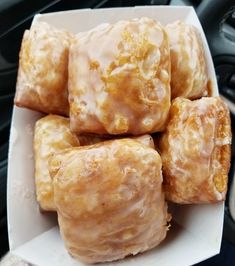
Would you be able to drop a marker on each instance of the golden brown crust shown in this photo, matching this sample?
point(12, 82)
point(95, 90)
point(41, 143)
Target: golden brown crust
point(195, 151)
point(222, 151)
point(188, 62)
point(54, 165)
point(121, 85)
point(93, 139)
point(146, 140)
point(109, 200)
point(52, 134)
point(43, 70)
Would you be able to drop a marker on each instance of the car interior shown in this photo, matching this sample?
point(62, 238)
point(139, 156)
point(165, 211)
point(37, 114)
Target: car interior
point(218, 21)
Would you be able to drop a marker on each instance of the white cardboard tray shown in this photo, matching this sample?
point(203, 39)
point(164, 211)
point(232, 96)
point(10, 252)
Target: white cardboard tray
point(34, 236)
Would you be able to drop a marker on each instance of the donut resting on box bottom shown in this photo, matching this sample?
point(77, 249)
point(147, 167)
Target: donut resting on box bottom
point(109, 200)
point(195, 151)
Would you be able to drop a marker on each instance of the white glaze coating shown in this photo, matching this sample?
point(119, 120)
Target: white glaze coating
point(195, 150)
point(109, 200)
point(188, 62)
point(119, 79)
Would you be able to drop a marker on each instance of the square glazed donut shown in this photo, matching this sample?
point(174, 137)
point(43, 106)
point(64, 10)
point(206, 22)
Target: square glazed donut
point(188, 62)
point(52, 134)
point(119, 79)
point(195, 151)
point(109, 199)
point(42, 82)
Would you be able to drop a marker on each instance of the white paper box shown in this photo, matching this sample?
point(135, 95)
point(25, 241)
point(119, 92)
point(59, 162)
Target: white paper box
point(196, 231)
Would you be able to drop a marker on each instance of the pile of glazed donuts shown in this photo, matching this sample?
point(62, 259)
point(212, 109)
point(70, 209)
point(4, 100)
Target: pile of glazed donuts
point(103, 92)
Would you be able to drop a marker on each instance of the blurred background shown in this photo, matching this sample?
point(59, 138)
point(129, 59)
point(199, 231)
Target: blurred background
point(218, 21)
